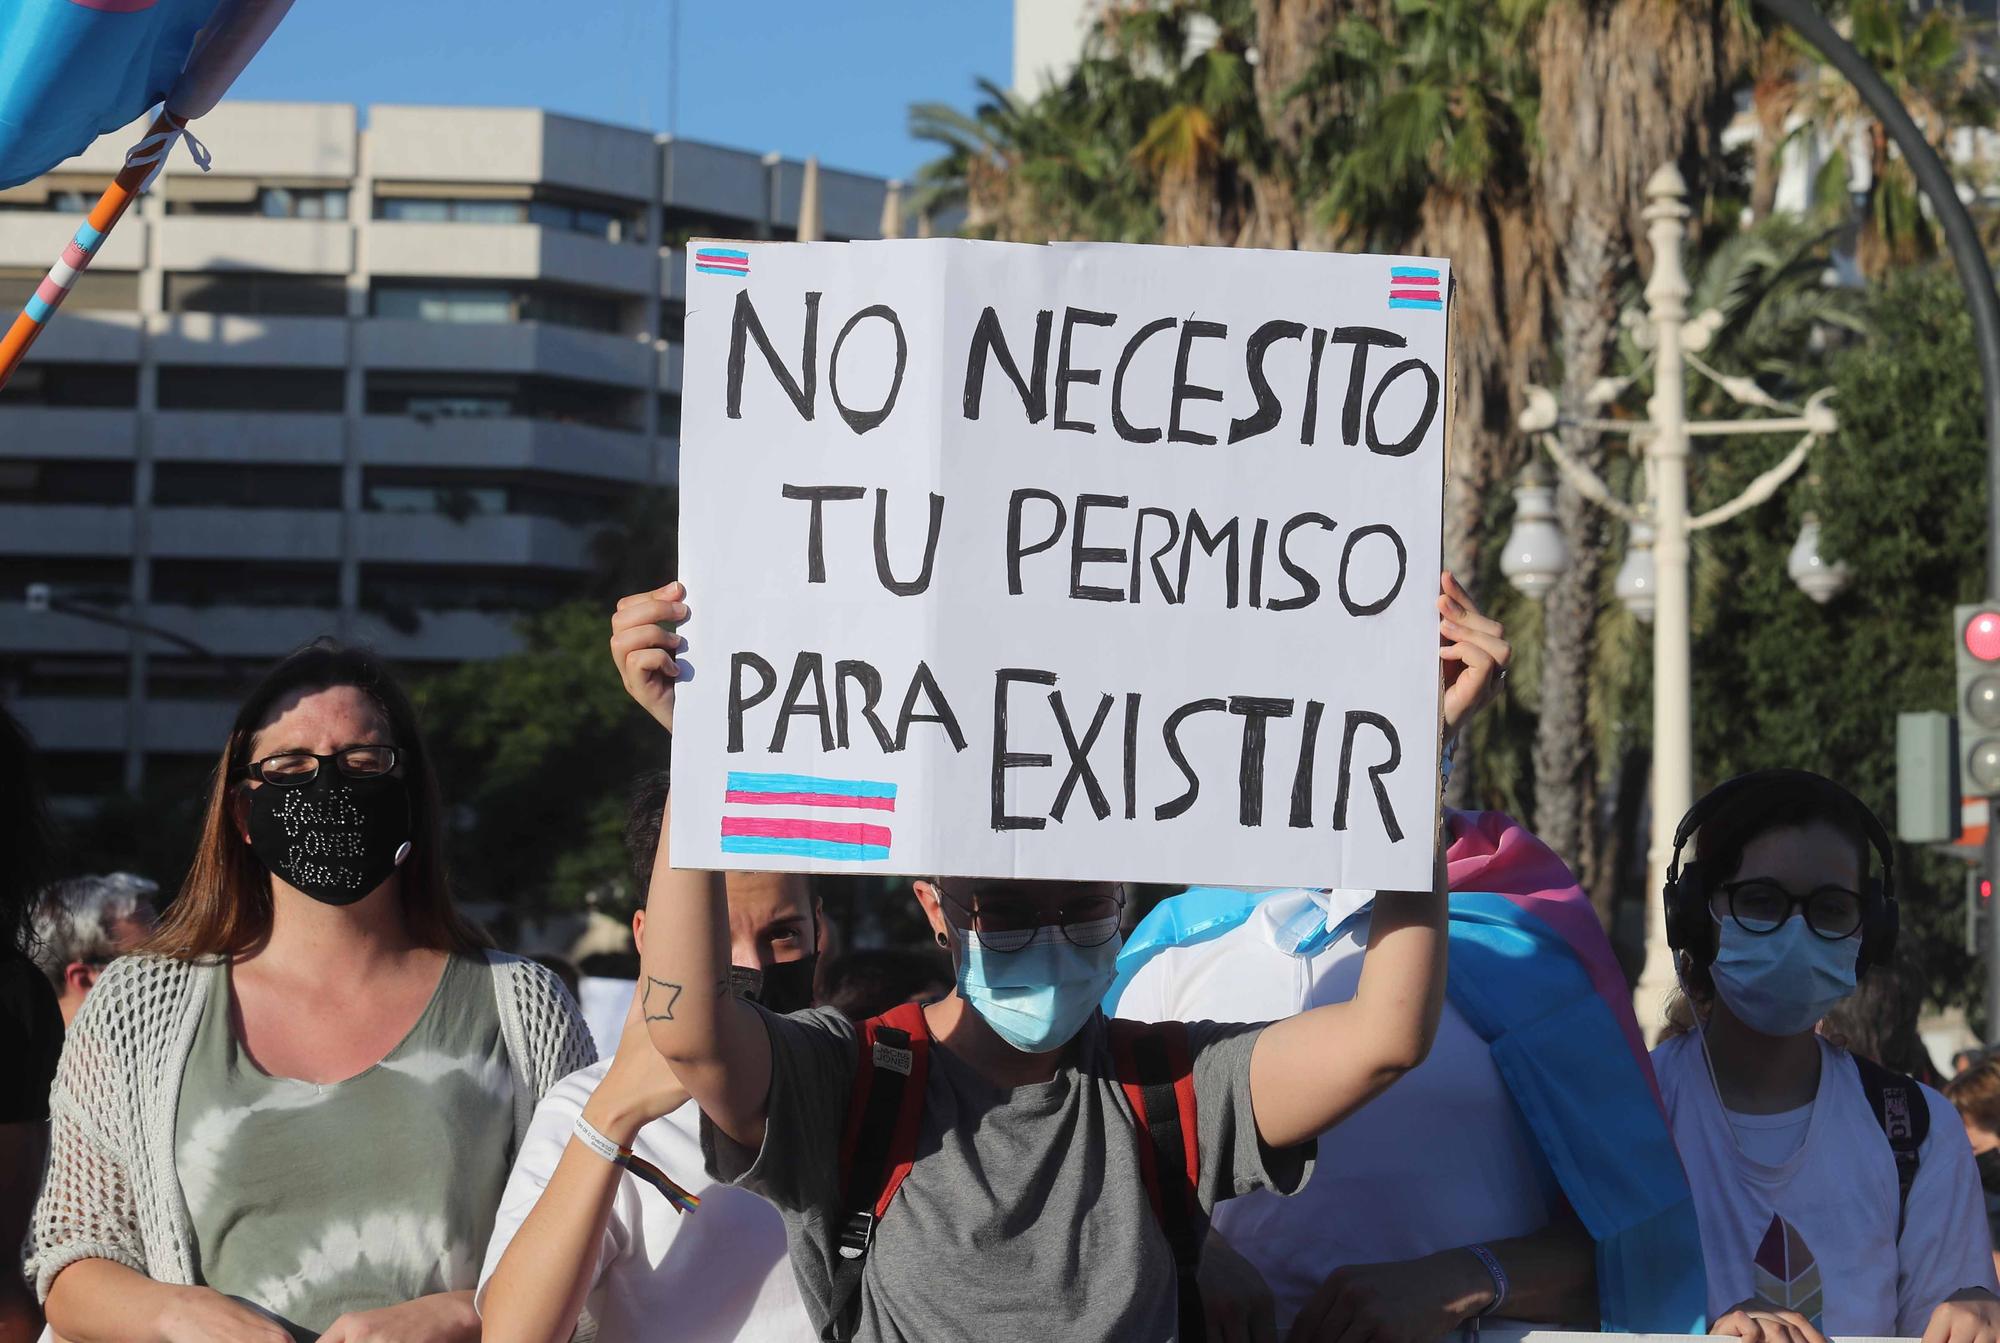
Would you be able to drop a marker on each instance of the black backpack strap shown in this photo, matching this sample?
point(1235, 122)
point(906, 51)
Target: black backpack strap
point(1905, 1117)
point(877, 1148)
point(1154, 1070)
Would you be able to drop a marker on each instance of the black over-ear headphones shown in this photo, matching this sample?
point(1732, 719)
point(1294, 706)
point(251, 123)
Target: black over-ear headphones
point(1690, 927)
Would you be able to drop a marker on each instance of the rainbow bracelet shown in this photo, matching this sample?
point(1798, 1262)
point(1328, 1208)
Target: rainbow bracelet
point(681, 1199)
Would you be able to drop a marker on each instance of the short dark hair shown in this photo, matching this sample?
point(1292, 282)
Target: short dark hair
point(864, 984)
point(642, 826)
point(1976, 1093)
point(1779, 804)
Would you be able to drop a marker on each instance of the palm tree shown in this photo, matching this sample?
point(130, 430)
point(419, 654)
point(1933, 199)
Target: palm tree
point(1626, 85)
point(1931, 65)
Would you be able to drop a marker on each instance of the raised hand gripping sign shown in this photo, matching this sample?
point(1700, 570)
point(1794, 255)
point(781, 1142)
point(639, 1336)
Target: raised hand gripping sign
point(1093, 562)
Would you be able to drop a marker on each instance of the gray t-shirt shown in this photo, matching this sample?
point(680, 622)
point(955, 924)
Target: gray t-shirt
point(1024, 1216)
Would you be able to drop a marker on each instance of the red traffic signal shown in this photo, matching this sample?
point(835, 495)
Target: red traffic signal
point(1985, 889)
point(1982, 636)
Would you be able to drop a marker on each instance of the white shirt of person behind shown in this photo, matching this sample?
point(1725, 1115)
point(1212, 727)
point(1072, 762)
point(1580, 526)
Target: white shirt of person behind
point(1441, 1159)
point(1800, 1210)
point(716, 1274)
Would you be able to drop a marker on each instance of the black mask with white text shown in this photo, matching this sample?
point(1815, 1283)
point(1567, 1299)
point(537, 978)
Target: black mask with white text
point(335, 838)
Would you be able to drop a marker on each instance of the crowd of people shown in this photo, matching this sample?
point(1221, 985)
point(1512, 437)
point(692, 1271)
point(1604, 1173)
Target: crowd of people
point(306, 1098)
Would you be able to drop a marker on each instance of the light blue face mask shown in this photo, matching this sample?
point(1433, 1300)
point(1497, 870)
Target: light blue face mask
point(1782, 983)
point(1039, 997)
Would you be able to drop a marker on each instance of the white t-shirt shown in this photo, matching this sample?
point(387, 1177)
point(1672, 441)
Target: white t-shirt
point(1442, 1159)
point(718, 1273)
point(1816, 1231)
point(604, 1003)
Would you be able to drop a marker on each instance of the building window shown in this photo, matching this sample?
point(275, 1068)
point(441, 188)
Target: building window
point(670, 415)
point(107, 386)
point(108, 484)
point(460, 495)
point(441, 303)
point(472, 395)
point(83, 774)
point(679, 226)
point(74, 677)
point(196, 387)
point(399, 592)
point(99, 582)
point(673, 321)
point(237, 583)
point(221, 196)
point(495, 303)
point(94, 290)
point(233, 485)
point(254, 293)
point(66, 202)
point(613, 223)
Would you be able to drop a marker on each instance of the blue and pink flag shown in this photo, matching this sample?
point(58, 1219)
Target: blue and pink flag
point(71, 70)
point(807, 816)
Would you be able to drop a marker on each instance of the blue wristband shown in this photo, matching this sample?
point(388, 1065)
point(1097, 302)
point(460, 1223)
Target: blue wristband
point(1499, 1275)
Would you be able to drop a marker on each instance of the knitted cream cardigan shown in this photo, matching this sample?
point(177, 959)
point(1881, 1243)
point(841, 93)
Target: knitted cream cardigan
point(112, 1191)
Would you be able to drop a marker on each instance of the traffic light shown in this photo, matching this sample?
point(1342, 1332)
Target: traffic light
point(1979, 700)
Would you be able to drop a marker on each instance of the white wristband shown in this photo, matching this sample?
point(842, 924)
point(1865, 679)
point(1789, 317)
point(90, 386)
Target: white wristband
point(598, 1143)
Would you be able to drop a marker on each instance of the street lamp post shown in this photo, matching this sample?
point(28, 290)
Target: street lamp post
point(1661, 523)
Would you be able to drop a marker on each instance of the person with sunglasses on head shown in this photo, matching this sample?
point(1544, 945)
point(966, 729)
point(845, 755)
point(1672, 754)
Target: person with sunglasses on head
point(291, 1113)
point(1834, 1197)
point(1036, 1187)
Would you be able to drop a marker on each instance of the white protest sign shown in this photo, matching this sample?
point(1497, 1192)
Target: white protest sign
point(1090, 562)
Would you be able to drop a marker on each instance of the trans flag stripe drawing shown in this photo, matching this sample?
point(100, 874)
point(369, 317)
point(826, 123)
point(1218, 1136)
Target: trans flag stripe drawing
point(763, 815)
point(722, 261)
point(1415, 287)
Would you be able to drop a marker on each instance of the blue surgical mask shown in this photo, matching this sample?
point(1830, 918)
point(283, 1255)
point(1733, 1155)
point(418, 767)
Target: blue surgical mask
point(1036, 998)
point(1782, 983)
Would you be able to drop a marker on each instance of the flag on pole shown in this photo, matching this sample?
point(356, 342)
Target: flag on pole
point(73, 69)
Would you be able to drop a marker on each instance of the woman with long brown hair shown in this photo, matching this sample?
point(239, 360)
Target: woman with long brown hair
point(293, 1112)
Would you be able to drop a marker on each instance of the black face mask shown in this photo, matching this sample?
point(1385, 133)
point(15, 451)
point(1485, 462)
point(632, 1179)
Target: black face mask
point(335, 838)
point(782, 988)
point(1989, 1170)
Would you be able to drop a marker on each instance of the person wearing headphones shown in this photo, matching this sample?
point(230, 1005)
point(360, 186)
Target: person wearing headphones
point(1834, 1197)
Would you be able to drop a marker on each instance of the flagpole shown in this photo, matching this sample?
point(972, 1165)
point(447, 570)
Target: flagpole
point(76, 257)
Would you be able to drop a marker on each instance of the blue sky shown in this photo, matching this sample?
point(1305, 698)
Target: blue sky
point(828, 77)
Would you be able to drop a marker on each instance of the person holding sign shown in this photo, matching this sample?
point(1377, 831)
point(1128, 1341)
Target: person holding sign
point(1004, 1163)
point(1452, 1198)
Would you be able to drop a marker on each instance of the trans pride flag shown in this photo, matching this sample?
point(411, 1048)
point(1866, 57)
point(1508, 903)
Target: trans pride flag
point(71, 70)
point(1532, 973)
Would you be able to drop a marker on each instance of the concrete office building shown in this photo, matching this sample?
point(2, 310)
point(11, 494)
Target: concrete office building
point(378, 382)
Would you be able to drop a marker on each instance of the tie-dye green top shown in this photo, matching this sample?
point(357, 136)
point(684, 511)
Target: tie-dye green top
point(309, 1201)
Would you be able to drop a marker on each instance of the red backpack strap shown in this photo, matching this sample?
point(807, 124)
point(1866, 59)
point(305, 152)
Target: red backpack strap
point(1155, 1069)
point(877, 1147)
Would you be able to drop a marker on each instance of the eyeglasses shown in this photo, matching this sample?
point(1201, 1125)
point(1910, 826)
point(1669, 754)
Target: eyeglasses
point(1761, 906)
point(1005, 922)
point(295, 769)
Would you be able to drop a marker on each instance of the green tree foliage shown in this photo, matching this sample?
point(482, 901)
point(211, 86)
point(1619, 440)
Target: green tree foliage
point(536, 753)
point(1779, 680)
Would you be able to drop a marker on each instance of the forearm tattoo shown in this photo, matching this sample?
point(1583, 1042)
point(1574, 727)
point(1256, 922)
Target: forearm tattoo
point(658, 998)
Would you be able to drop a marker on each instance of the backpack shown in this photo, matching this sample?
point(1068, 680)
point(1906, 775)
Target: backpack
point(1905, 1117)
point(1152, 1066)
